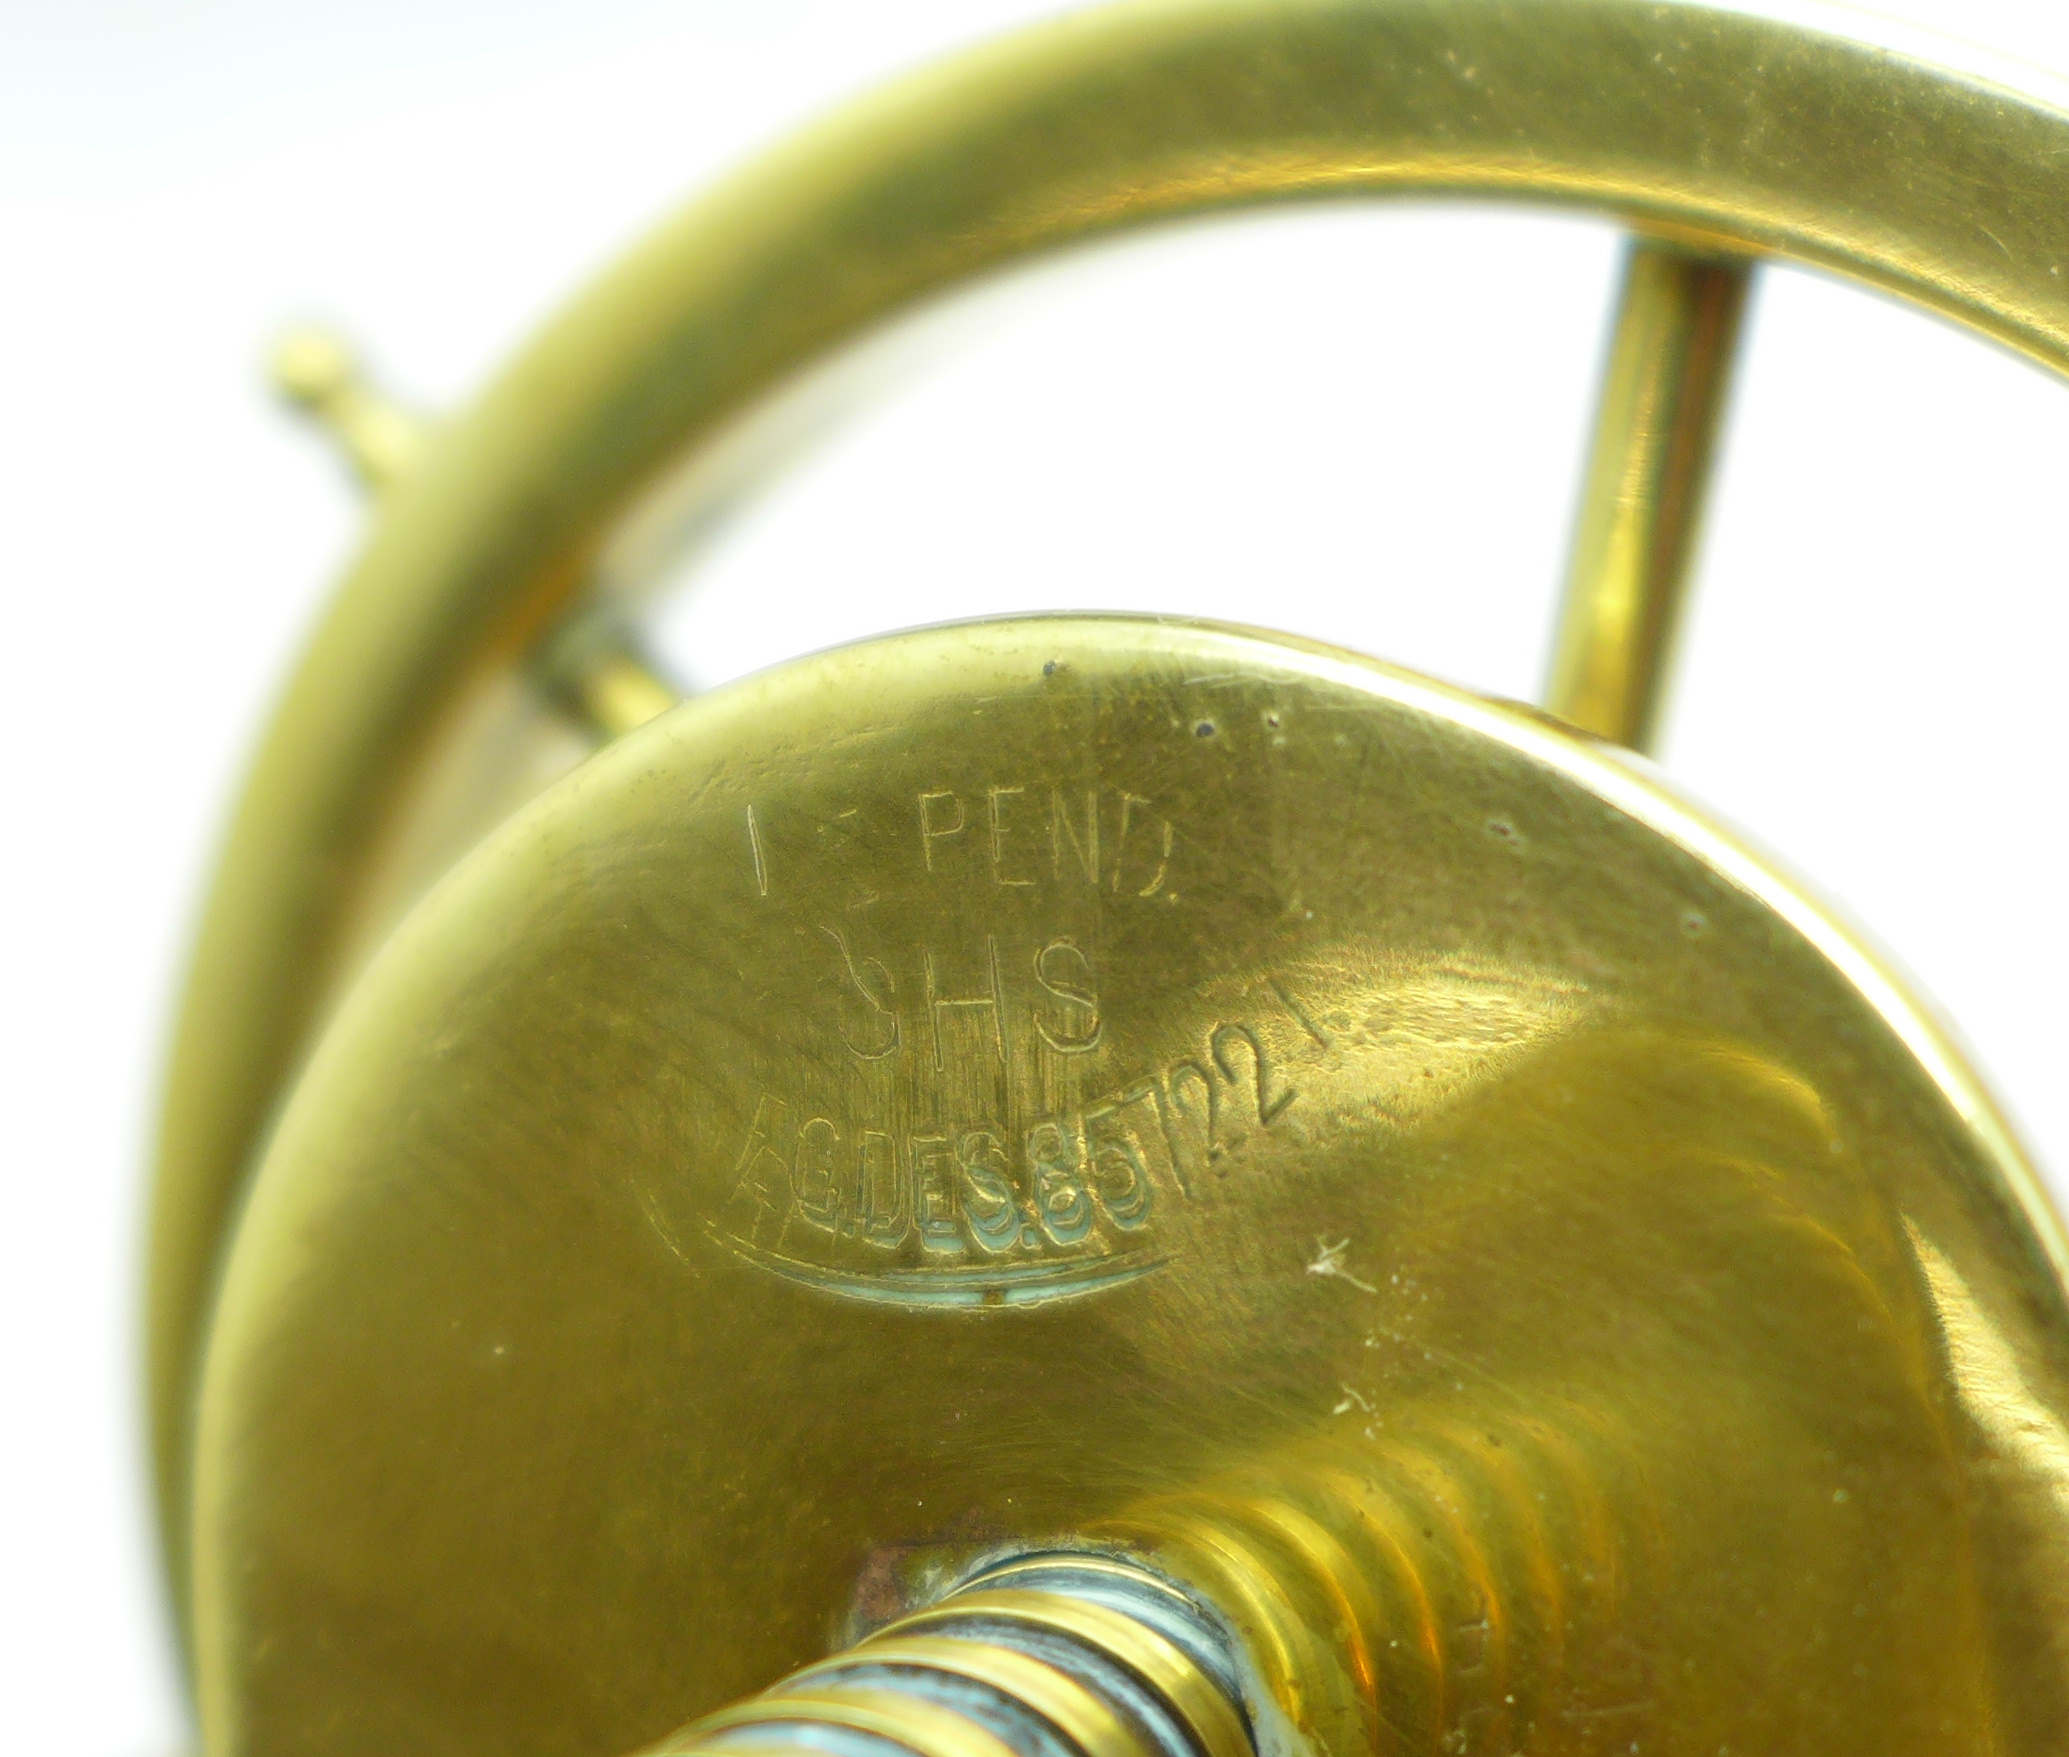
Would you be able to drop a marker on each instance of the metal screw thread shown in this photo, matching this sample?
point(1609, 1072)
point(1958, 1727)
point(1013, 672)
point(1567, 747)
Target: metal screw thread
point(1452, 1577)
point(1061, 1655)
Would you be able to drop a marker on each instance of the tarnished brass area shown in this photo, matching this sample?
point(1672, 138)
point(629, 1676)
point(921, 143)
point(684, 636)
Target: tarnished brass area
point(1370, 1155)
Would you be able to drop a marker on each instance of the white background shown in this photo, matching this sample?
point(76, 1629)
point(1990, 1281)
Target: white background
point(1358, 422)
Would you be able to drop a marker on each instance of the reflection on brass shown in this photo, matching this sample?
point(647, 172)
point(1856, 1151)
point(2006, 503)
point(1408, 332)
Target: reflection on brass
point(1103, 1187)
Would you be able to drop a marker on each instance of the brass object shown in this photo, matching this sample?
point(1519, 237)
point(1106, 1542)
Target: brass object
point(1102, 1187)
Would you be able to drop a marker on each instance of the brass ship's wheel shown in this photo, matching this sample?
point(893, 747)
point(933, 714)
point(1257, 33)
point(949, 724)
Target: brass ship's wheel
point(1194, 1193)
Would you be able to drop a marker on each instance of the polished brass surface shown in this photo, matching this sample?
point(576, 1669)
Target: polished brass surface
point(1372, 1153)
point(1663, 397)
point(1739, 131)
point(983, 1129)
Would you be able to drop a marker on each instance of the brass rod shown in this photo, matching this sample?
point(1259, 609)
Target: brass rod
point(596, 669)
point(618, 692)
point(599, 672)
point(317, 370)
point(1663, 394)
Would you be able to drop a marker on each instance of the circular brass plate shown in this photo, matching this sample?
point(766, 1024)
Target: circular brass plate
point(952, 1090)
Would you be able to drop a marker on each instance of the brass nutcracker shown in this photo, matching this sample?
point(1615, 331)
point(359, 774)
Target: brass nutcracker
point(1097, 1186)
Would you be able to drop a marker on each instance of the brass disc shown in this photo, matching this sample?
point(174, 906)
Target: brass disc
point(953, 1091)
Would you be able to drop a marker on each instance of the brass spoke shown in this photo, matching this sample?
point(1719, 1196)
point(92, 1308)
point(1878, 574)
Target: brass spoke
point(1663, 393)
point(317, 370)
point(601, 674)
point(595, 668)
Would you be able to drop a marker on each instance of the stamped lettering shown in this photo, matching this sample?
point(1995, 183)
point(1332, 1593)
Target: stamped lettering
point(972, 1210)
point(949, 1109)
point(881, 1034)
point(1010, 834)
point(967, 1213)
point(986, 999)
point(989, 1003)
point(1234, 1040)
point(1065, 975)
point(941, 816)
point(1079, 835)
point(995, 803)
point(1108, 839)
